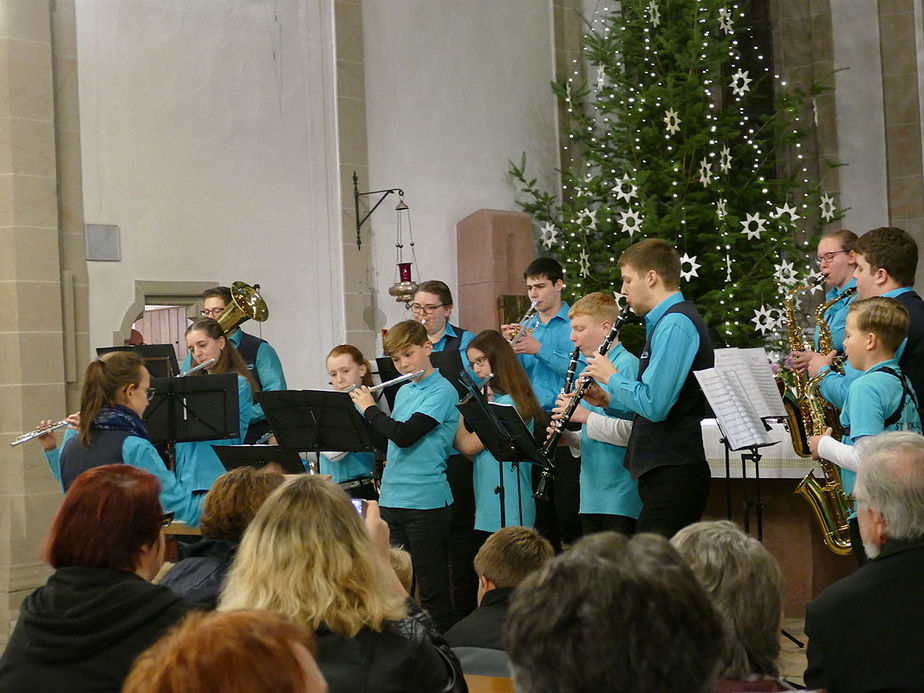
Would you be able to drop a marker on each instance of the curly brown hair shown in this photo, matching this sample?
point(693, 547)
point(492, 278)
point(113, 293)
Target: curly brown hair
point(233, 500)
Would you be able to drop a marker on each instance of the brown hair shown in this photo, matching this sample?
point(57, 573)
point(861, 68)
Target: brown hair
point(230, 359)
point(886, 318)
point(222, 292)
point(846, 239)
point(510, 554)
point(509, 376)
point(358, 358)
point(233, 500)
point(654, 254)
point(892, 249)
point(437, 288)
point(598, 305)
point(103, 379)
point(406, 333)
point(235, 652)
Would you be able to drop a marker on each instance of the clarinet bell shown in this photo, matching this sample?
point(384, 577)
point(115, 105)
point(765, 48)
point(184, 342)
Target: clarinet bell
point(542, 488)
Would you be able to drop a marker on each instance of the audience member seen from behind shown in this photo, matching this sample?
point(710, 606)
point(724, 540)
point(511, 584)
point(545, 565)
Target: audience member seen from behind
point(613, 614)
point(238, 652)
point(308, 556)
point(98, 610)
point(745, 584)
point(229, 507)
point(862, 630)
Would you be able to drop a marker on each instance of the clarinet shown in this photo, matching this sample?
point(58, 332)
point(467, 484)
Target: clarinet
point(559, 426)
point(572, 367)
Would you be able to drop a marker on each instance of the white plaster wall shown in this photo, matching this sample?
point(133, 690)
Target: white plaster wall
point(453, 90)
point(208, 135)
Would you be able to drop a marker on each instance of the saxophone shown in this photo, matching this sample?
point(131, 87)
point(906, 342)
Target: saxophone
point(825, 340)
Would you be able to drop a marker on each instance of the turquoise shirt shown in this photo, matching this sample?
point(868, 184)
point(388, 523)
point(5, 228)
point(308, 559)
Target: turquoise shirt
point(673, 348)
point(606, 486)
point(197, 464)
point(486, 477)
point(546, 370)
point(353, 465)
point(836, 315)
point(415, 476)
point(464, 340)
point(140, 453)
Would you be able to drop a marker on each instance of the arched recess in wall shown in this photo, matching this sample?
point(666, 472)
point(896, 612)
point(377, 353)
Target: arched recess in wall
point(186, 294)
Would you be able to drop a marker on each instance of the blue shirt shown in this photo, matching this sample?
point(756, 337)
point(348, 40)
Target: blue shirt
point(836, 315)
point(464, 340)
point(140, 453)
point(353, 465)
point(546, 370)
point(197, 464)
point(606, 486)
point(518, 488)
point(415, 476)
point(673, 348)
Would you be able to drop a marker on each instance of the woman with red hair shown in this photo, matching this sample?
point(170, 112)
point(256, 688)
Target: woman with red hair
point(98, 611)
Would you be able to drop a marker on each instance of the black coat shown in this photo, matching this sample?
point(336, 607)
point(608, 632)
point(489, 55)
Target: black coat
point(82, 630)
point(199, 576)
point(866, 632)
point(484, 627)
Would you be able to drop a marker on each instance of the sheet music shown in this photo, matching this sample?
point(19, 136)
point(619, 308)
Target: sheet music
point(737, 418)
point(752, 369)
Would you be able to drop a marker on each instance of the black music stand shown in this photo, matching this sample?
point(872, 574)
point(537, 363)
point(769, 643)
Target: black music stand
point(191, 409)
point(258, 456)
point(315, 421)
point(449, 364)
point(159, 359)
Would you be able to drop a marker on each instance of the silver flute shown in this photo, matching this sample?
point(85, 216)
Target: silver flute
point(394, 381)
point(196, 369)
point(31, 435)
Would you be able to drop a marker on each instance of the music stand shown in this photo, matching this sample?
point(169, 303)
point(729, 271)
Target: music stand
point(315, 420)
point(185, 410)
point(449, 364)
point(258, 456)
point(387, 371)
point(159, 359)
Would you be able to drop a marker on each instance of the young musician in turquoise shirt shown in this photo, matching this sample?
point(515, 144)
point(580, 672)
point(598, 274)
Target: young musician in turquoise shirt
point(197, 464)
point(415, 498)
point(495, 363)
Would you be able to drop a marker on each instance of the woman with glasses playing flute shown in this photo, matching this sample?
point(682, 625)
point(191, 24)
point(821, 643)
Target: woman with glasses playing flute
point(116, 391)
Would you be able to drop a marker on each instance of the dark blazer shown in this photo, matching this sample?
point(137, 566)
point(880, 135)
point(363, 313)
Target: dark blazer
point(484, 627)
point(866, 631)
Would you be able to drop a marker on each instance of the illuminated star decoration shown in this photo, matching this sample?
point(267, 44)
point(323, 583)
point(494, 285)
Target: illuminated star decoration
point(686, 275)
point(828, 210)
point(548, 234)
point(630, 221)
point(786, 209)
point(725, 21)
point(739, 83)
point(720, 207)
point(590, 215)
point(601, 77)
point(585, 263)
point(725, 159)
point(672, 121)
point(625, 189)
point(705, 172)
point(654, 14)
point(756, 219)
point(764, 319)
point(786, 273)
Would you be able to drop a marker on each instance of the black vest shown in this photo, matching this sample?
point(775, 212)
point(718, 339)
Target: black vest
point(912, 362)
point(679, 438)
point(105, 448)
point(454, 343)
point(248, 350)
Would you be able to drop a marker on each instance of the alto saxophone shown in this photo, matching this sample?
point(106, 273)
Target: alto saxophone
point(825, 340)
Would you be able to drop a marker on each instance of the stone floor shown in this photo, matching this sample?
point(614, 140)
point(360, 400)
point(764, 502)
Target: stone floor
point(792, 657)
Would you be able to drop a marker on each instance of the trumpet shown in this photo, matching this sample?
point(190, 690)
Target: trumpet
point(523, 322)
point(388, 383)
point(39, 432)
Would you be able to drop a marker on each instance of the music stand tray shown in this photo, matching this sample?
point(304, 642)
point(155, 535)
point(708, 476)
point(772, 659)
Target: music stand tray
point(258, 456)
point(503, 432)
point(159, 359)
point(315, 421)
point(449, 364)
point(191, 409)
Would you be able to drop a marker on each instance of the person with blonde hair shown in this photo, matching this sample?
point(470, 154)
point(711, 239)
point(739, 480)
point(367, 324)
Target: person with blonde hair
point(308, 556)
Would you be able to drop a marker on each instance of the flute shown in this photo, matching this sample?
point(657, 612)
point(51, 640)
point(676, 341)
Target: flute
point(394, 381)
point(196, 369)
point(38, 432)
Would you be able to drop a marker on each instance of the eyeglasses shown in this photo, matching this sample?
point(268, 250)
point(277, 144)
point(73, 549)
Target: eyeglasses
point(828, 258)
point(426, 310)
point(211, 313)
point(480, 361)
point(149, 393)
point(167, 518)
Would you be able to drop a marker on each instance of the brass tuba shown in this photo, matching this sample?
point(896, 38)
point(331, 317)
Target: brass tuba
point(246, 304)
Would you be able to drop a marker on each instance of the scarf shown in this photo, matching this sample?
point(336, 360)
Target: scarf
point(119, 418)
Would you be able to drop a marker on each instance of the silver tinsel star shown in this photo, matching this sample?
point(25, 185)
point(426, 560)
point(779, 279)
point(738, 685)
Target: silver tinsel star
point(739, 83)
point(548, 234)
point(686, 275)
point(705, 172)
point(756, 219)
point(625, 189)
point(672, 121)
point(828, 210)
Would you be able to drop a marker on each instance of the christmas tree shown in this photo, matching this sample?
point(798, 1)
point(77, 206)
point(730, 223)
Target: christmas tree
point(679, 136)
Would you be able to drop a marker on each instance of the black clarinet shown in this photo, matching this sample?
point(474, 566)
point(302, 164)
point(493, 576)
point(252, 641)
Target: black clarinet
point(572, 368)
point(548, 450)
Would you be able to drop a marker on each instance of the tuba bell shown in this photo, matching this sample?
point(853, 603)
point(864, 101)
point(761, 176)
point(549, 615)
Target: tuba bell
point(246, 304)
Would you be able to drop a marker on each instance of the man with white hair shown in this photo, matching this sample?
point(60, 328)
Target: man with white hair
point(866, 631)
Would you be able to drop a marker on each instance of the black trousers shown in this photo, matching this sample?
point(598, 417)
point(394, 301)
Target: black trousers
point(557, 518)
point(672, 497)
point(462, 542)
point(425, 535)
point(598, 522)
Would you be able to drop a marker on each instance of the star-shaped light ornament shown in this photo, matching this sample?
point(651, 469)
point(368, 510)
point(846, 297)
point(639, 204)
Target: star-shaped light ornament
point(725, 159)
point(548, 234)
point(786, 209)
point(672, 121)
point(785, 273)
point(739, 83)
point(720, 210)
point(585, 263)
point(601, 77)
point(725, 20)
point(687, 274)
point(654, 14)
point(630, 221)
point(625, 189)
point(828, 210)
point(705, 172)
point(759, 225)
point(763, 320)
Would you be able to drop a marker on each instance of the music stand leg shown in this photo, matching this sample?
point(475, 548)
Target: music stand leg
point(499, 490)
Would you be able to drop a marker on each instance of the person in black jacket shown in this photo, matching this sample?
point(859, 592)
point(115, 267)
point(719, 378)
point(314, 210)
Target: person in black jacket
point(83, 628)
point(308, 556)
point(229, 507)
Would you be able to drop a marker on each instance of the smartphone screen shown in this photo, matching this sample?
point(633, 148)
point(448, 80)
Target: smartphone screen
point(360, 505)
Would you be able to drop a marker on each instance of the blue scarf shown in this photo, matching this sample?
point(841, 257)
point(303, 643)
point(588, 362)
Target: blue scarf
point(119, 418)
